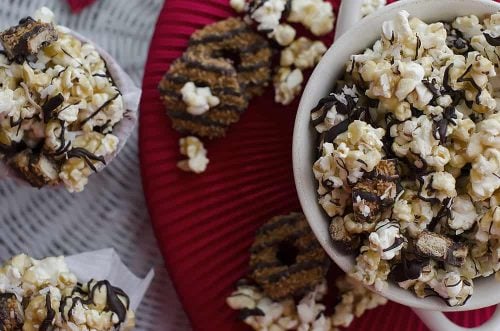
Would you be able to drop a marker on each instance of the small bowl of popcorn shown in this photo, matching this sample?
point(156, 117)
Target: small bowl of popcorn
point(396, 155)
point(66, 106)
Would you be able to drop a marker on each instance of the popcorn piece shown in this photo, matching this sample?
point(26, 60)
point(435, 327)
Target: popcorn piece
point(316, 15)
point(44, 15)
point(387, 239)
point(198, 99)
point(287, 85)
point(417, 136)
point(27, 38)
point(334, 109)
point(267, 14)
point(441, 248)
point(463, 214)
point(398, 28)
point(97, 143)
point(370, 269)
point(468, 25)
point(370, 6)
point(452, 287)
point(284, 34)
point(197, 160)
point(484, 175)
point(74, 174)
point(487, 135)
point(238, 5)
point(437, 185)
point(411, 74)
point(358, 151)
point(334, 202)
point(354, 227)
point(489, 225)
point(302, 53)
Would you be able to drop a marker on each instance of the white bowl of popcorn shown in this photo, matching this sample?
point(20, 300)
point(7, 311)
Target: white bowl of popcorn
point(404, 91)
point(66, 106)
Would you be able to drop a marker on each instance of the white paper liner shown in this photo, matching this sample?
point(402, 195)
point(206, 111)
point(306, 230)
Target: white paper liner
point(131, 96)
point(105, 264)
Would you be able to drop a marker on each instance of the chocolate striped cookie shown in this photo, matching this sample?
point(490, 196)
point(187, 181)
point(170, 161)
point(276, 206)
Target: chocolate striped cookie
point(249, 52)
point(286, 259)
point(217, 74)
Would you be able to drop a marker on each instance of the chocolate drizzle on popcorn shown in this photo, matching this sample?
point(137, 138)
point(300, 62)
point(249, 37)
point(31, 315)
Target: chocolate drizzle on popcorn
point(58, 105)
point(44, 295)
point(421, 104)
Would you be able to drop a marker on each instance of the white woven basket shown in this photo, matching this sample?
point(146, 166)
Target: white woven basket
point(111, 212)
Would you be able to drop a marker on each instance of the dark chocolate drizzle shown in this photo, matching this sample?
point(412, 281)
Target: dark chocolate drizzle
point(417, 49)
point(113, 302)
point(493, 41)
point(443, 214)
point(397, 242)
point(408, 269)
point(476, 87)
point(247, 312)
point(98, 110)
point(46, 324)
point(422, 188)
point(64, 147)
point(446, 77)
point(86, 156)
point(50, 105)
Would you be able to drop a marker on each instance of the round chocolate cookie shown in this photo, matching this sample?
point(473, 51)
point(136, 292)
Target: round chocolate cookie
point(287, 260)
point(204, 71)
point(249, 52)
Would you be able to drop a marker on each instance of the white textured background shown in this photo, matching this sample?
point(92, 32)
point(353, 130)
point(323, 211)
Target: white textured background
point(111, 212)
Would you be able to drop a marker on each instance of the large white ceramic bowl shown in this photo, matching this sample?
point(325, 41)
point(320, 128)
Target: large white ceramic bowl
point(331, 68)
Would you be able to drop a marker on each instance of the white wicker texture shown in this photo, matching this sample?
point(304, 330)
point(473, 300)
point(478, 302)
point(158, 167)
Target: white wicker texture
point(111, 212)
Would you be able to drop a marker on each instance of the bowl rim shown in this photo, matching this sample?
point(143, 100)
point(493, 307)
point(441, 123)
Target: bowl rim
point(302, 167)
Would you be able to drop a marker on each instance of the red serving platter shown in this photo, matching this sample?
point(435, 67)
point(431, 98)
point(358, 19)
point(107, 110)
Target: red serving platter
point(205, 223)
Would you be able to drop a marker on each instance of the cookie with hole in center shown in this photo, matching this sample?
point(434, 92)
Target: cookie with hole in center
point(286, 259)
point(235, 41)
point(202, 95)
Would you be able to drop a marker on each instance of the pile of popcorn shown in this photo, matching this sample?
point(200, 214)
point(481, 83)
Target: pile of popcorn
point(273, 17)
point(45, 295)
point(409, 170)
point(58, 105)
point(308, 314)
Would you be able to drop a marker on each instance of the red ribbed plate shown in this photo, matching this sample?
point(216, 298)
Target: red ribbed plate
point(205, 223)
